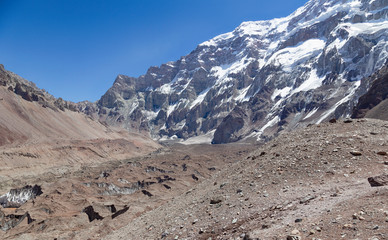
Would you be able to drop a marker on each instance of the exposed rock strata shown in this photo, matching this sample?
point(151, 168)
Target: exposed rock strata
point(260, 79)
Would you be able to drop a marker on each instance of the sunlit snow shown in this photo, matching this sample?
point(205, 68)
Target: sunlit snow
point(202, 139)
point(281, 92)
point(199, 98)
point(313, 82)
point(241, 97)
point(270, 123)
point(311, 113)
point(287, 58)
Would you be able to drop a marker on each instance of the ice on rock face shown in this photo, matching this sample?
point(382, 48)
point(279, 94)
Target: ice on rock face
point(200, 98)
point(289, 57)
point(271, 69)
point(313, 82)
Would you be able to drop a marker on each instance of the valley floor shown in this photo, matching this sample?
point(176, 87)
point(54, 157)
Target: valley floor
point(311, 183)
point(117, 190)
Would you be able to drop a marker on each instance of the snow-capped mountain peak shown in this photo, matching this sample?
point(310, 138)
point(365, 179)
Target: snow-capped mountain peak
point(262, 77)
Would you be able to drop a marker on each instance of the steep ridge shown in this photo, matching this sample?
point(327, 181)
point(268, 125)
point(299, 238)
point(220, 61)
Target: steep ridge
point(30, 114)
point(40, 134)
point(261, 78)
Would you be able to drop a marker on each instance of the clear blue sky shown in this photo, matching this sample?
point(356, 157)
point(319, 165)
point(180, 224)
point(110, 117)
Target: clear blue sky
point(75, 48)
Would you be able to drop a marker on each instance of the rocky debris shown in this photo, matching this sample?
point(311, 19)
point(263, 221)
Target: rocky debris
point(165, 179)
point(119, 212)
point(307, 199)
point(194, 177)
point(92, 215)
point(12, 220)
point(296, 185)
point(66, 195)
point(18, 196)
point(155, 169)
point(145, 192)
point(356, 153)
point(378, 181)
point(263, 193)
point(359, 215)
point(112, 189)
point(184, 167)
point(382, 153)
point(111, 208)
point(143, 184)
point(216, 200)
point(293, 237)
point(104, 174)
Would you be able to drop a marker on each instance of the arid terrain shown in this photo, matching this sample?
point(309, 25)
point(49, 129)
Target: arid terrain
point(42, 135)
point(276, 130)
point(134, 186)
point(310, 183)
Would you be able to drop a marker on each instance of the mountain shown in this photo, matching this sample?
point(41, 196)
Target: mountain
point(374, 103)
point(261, 78)
point(41, 134)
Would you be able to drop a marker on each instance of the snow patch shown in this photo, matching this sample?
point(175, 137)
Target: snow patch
point(282, 92)
point(271, 123)
point(291, 56)
point(150, 114)
point(313, 82)
point(199, 98)
point(166, 88)
point(171, 108)
point(242, 95)
point(222, 72)
point(310, 113)
point(366, 27)
point(216, 40)
point(202, 139)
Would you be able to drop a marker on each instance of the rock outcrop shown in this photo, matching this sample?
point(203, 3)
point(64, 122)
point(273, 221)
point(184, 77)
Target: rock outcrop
point(378, 181)
point(29, 92)
point(373, 103)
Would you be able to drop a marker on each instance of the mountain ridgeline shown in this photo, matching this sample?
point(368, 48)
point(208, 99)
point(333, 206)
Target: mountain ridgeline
point(261, 78)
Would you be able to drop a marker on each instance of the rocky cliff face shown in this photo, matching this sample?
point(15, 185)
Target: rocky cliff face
point(259, 79)
point(374, 102)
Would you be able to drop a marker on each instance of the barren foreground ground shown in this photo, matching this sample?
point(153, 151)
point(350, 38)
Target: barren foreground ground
point(118, 191)
point(309, 184)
